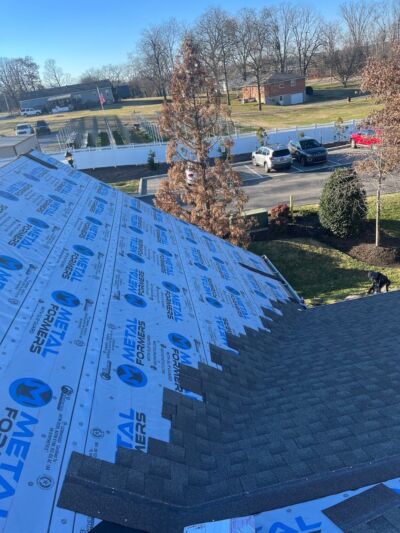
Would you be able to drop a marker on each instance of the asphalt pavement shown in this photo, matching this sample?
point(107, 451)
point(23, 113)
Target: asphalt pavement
point(266, 190)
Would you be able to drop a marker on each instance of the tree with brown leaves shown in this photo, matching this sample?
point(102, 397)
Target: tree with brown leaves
point(381, 77)
point(209, 196)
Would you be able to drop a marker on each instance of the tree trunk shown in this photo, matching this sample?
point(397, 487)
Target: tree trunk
point(378, 213)
point(259, 94)
point(228, 96)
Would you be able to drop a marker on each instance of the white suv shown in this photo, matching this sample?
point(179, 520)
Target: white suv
point(272, 157)
point(23, 129)
point(30, 112)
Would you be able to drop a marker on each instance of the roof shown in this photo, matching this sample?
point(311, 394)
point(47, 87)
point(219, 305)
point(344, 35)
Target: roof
point(11, 140)
point(102, 298)
point(275, 77)
point(65, 90)
point(125, 330)
point(299, 413)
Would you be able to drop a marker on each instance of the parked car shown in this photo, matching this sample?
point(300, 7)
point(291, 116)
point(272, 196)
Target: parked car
point(30, 112)
point(42, 128)
point(272, 157)
point(61, 109)
point(364, 138)
point(308, 151)
point(23, 129)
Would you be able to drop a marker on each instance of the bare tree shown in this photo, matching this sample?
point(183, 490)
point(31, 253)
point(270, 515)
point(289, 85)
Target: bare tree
point(54, 76)
point(381, 78)
point(359, 17)
point(215, 200)
point(156, 52)
point(242, 42)
point(214, 32)
point(17, 76)
point(257, 26)
point(281, 28)
point(308, 37)
point(344, 59)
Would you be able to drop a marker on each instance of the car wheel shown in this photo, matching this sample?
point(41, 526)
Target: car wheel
point(303, 161)
point(353, 143)
point(266, 167)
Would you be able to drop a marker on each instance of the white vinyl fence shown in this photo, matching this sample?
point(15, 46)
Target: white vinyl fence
point(137, 154)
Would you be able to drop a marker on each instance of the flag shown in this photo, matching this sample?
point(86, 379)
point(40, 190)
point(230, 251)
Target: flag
point(102, 99)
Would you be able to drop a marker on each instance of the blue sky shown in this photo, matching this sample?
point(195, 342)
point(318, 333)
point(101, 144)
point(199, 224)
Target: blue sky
point(80, 34)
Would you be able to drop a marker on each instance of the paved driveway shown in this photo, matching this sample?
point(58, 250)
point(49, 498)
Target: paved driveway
point(304, 184)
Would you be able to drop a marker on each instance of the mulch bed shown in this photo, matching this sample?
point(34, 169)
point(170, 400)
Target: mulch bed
point(361, 247)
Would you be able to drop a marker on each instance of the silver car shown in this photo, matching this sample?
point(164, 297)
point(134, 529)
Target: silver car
point(270, 157)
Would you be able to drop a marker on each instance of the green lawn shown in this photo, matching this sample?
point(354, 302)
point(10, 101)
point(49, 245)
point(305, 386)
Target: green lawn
point(319, 271)
point(328, 104)
point(128, 187)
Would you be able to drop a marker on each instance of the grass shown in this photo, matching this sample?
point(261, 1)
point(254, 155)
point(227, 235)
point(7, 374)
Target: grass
point(316, 270)
point(128, 187)
point(329, 103)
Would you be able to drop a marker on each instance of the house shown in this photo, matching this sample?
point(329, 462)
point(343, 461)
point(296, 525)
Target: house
point(79, 96)
point(155, 377)
point(277, 88)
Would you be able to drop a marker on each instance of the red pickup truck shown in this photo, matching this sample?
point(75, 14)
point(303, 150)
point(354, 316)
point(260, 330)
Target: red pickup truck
point(364, 138)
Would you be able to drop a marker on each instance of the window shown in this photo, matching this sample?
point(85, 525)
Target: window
point(281, 85)
point(293, 83)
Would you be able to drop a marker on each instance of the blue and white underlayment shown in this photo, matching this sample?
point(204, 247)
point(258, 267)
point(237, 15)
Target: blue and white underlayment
point(102, 297)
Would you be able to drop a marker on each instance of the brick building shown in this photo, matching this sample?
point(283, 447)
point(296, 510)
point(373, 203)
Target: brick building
point(277, 88)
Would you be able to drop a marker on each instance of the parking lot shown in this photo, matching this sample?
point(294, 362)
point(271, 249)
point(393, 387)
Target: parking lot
point(304, 184)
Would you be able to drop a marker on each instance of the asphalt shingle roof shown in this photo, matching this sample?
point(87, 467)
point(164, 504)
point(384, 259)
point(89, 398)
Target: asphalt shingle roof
point(305, 410)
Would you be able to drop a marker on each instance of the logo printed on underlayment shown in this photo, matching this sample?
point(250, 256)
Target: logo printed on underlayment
point(93, 220)
point(135, 300)
point(232, 290)
point(57, 198)
point(83, 250)
point(261, 294)
point(136, 230)
point(10, 263)
point(214, 302)
point(65, 298)
point(201, 266)
point(30, 177)
point(101, 200)
point(30, 392)
point(165, 252)
point(218, 260)
point(171, 287)
point(132, 376)
point(180, 341)
point(161, 228)
point(9, 196)
point(41, 224)
point(136, 258)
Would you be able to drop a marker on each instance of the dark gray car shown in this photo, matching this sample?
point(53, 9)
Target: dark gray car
point(308, 151)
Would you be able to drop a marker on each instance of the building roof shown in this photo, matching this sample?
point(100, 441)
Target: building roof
point(125, 330)
point(102, 298)
point(275, 77)
point(65, 90)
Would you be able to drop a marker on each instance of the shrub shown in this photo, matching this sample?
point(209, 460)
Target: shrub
point(103, 139)
point(118, 137)
point(343, 207)
point(280, 214)
point(151, 160)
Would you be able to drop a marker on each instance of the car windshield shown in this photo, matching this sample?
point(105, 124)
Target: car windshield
point(22, 127)
point(41, 123)
point(306, 144)
point(280, 153)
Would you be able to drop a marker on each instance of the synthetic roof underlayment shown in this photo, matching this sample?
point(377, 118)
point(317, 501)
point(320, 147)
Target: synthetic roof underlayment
point(102, 297)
